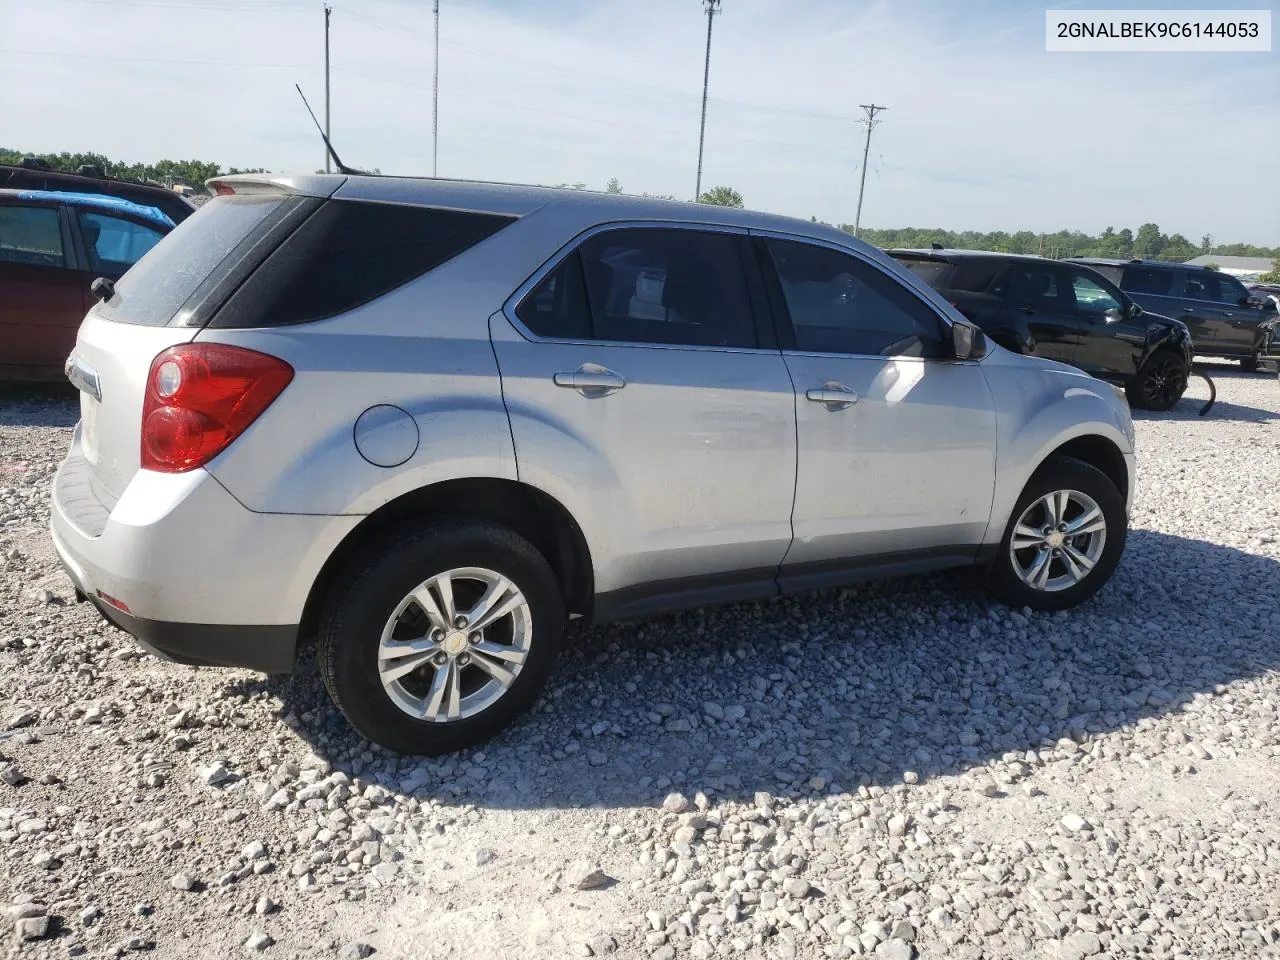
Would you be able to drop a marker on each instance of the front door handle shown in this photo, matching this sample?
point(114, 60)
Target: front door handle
point(1228, 315)
point(834, 396)
point(591, 380)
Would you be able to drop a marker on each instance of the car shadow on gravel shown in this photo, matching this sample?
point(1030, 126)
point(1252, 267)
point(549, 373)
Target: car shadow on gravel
point(39, 405)
point(902, 680)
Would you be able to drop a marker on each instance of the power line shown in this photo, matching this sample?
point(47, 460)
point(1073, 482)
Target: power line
point(556, 69)
point(713, 7)
point(871, 122)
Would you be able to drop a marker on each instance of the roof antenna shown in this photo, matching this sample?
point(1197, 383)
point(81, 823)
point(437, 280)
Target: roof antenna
point(337, 161)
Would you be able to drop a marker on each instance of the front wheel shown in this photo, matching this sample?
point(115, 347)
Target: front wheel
point(1160, 383)
point(1064, 539)
point(439, 638)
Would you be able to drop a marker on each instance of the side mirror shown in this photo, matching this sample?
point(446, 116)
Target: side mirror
point(965, 339)
point(1135, 310)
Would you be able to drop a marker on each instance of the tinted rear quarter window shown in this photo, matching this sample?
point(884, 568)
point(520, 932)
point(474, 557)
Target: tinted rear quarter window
point(348, 253)
point(155, 287)
point(936, 273)
point(1154, 281)
point(985, 275)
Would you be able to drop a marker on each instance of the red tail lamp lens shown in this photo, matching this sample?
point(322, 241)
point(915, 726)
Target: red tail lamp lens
point(201, 397)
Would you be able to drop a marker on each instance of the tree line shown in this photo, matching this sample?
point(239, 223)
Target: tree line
point(193, 173)
point(1148, 242)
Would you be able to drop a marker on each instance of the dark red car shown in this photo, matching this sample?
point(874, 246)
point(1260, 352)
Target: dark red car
point(53, 245)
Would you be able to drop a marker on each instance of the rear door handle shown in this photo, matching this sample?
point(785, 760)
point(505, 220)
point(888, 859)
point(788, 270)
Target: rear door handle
point(591, 380)
point(834, 396)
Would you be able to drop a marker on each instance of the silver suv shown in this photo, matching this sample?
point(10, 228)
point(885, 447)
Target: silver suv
point(427, 422)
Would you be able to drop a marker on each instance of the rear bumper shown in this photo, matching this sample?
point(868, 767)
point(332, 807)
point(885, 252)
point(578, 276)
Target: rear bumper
point(203, 579)
point(269, 649)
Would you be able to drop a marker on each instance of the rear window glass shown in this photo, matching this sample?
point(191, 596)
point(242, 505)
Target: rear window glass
point(936, 273)
point(157, 285)
point(348, 253)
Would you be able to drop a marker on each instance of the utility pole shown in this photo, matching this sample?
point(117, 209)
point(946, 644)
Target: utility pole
point(713, 7)
point(871, 122)
point(435, 97)
point(327, 10)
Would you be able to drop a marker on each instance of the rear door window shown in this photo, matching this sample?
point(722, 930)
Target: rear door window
point(113, 243)
point(31, 236)
point(153, 290)
point(647, 285)
point(1040, 286)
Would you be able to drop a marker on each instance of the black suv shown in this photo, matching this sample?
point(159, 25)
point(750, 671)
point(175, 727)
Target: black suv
point(1224, 319)
point(1063, 311)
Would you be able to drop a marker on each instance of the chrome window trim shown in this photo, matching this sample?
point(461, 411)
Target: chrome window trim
point(947, 322)
point(522, 291)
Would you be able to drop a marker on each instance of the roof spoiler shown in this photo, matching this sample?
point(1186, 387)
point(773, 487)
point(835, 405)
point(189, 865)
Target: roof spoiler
point(243, 184)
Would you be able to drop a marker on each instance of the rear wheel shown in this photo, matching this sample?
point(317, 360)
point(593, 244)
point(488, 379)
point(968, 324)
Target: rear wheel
point(1064, 539)
point(1160, 383)
point(440, 638)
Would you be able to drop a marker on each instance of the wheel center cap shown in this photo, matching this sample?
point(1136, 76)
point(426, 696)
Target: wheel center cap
point(454, 644)
point(1055, 539)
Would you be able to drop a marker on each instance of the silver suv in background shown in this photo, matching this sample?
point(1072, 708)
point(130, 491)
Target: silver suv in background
point(429, 421)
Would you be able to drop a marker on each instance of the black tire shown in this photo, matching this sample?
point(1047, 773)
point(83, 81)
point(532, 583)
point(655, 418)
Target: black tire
point(1062, 473)
point(368, 592)
point(1160, 383)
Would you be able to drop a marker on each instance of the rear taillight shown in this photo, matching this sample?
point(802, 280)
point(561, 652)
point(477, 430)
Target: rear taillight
point(221, 189)
point(200, 397)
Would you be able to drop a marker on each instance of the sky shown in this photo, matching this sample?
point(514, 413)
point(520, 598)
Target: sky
point(985, 130)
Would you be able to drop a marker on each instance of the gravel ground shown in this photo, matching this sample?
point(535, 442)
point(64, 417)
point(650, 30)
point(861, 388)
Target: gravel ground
point(897, 770)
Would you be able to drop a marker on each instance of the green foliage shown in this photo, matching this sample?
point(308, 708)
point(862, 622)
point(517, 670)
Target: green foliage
point(1211, 266)
point(1149, 242)
point(722, 197)
point(613, 186)
point(193, 173)
point(1272, 275)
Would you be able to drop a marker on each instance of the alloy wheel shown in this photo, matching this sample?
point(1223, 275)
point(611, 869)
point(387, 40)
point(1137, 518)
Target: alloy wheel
point(1164, 383)
point(1058, 540)
point(455, 644)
